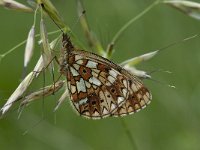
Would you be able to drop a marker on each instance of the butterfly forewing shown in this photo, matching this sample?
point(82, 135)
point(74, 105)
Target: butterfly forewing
point(99, 88)
point(96, 89)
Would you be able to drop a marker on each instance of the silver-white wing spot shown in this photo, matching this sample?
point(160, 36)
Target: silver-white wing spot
point(81, 85)
point(83, 101)
point(73, 71)
point(95, 81)
point(111, 79)
point(76, 66)
point(120, 99)
point(91, 64)
point(113, 73)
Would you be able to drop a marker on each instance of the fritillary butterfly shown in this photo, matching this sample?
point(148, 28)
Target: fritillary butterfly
point(99, 88)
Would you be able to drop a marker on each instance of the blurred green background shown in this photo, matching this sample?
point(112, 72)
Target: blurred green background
point(172, 120)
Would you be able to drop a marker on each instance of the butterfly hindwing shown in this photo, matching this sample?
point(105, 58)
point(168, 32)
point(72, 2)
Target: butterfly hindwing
point(99, 88)
point(136, 101)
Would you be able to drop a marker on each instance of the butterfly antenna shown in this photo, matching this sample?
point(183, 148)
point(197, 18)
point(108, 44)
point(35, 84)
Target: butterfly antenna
point(162, 83)
point(159, 70)
point(83, 12)
point(178, 42)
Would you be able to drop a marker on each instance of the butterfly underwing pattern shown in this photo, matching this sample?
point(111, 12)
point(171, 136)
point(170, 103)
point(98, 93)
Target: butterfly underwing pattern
point(99, 88)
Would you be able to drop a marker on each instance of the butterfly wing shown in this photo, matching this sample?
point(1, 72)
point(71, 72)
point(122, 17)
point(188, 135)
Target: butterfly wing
point(139, 97)
point(99, 88)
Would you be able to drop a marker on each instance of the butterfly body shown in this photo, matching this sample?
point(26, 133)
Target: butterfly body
point(98, 87)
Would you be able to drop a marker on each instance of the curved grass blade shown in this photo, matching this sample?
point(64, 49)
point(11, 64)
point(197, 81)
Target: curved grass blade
point(189, 8)
point(110, 46)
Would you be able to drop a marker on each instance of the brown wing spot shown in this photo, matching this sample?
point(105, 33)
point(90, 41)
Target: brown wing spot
point(113, 90)
point(85, 61)
point(75, 97)
point(103, 68)
point(71, 79)
point(82, 95)
point(85, 72)
point(133, 102)
point(94, 104)
point(77, 78)
point(73, 82)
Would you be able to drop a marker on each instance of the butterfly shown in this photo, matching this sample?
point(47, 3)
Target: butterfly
point(99, 88)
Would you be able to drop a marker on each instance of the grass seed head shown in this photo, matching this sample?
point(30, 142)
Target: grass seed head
point(13, 5)
point(29, 46)
point(189, 8)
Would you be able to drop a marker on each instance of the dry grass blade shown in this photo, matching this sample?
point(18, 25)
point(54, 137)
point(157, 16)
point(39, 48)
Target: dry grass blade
point(191, 9)
point(46, 51)
point(62, 99)
point(54, 43)
point(49, 8)
point(11, 4)
point(29, 46)
point(130, 63)
point(39, 66)
point(18, 92)
point(139, 73)
point(46, 91)
point(136, 60)
point(22, 86)
point(3, 55)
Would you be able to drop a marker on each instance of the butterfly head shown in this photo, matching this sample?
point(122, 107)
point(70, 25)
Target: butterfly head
point(67, 44)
